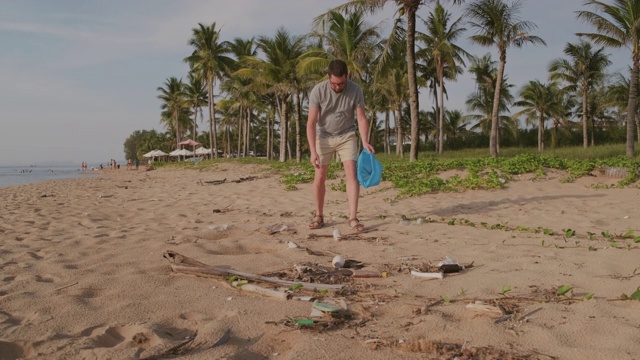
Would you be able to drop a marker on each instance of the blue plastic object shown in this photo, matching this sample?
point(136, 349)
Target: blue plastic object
point(369, 169)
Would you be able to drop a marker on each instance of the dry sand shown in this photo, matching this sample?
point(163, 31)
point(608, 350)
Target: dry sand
point(83, 274)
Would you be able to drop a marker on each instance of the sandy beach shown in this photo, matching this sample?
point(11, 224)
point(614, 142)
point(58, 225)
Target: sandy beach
point(84, 276)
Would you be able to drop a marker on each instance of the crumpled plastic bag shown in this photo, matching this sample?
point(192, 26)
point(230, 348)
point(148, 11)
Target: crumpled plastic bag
point(369, 169)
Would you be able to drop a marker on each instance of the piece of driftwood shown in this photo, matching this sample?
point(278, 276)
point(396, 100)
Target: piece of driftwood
point(365, 274)
point(213, 182)
point(427, 275)
point(186, 265)
point(262, 291)
point(66, 286)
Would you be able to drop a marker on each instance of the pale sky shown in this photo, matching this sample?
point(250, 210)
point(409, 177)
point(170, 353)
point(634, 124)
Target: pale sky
point(78, 77)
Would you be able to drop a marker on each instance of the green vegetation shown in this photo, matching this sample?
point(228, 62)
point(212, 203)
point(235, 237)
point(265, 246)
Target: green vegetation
point(469, 172)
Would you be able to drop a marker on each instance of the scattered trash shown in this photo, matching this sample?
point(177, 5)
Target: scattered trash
point(481, 307)
point(278, 228)
point(324, 307)
point(337, 236)
point(314, 253)
point(428, 275)
point(304, 321)
point(221, 227)
point(338, 261)
point(292, 245)
point(353, 264)
point(449, 265)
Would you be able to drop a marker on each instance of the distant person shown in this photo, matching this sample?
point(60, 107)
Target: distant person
point(331, 129)
point(129, 164)
point(137, 163)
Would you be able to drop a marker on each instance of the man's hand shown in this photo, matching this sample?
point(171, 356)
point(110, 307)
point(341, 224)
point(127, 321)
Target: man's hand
point(368, 147)
point(315, 160)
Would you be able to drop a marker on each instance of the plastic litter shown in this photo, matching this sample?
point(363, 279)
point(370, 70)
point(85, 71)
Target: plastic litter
point(369, 169)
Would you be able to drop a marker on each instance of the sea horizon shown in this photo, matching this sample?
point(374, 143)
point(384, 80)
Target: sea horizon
point(11, 175)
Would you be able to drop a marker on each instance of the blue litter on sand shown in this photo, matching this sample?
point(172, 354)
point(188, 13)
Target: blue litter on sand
point(369, 169)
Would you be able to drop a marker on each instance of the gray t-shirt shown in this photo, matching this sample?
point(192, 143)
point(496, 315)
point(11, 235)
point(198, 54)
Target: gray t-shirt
point(336, 111)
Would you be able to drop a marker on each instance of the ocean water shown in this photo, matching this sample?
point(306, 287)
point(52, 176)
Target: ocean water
point(16, 175)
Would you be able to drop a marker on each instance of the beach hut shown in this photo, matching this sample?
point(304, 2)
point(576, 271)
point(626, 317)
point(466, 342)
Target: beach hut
point(181, 152)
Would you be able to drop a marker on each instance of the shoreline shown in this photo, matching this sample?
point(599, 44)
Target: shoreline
point(84, 274)
point(11, 176)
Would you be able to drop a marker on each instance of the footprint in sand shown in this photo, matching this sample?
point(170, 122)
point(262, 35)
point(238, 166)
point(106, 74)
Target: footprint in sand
point(145, 340)
point(9, 350)
point(47, 278)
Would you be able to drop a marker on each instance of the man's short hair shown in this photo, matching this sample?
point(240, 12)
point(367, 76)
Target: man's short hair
point(337, 68)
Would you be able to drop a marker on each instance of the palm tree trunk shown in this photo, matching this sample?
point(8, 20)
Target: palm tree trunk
point(387, 146)
point(212, 116)
point(195, 122)
point(593, 131)
point(298, 122)
point(413, 84)
point(175, 118)
point(585, 109)
point(632, 106)
point(240, 136)
point(399, 133)
point(493, 138)
point(441, 111)
point(541, 132)
point(637, 127)
point(269, 145)
point(283, 128)
point(247, 134)
point(554, 135)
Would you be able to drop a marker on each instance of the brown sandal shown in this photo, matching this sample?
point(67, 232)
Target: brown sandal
point(317, 223)
point(357, 227)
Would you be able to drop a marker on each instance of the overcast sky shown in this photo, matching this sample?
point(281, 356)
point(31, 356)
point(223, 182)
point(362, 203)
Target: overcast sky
point(78, 77)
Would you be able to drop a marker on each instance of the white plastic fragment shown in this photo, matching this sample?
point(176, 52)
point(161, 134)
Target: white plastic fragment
point(437, 275)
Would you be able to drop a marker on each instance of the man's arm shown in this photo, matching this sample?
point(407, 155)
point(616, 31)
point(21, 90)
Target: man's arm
point(312, 120)
point(363, 128)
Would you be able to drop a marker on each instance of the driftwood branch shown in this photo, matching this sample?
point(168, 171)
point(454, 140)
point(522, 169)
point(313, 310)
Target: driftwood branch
point(262, 291)
point(186, 265)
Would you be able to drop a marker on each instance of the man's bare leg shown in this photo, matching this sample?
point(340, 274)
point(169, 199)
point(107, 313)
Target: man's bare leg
point(353, 188)
point(319, 189)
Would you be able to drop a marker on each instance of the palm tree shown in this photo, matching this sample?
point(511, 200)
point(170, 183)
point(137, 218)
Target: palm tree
point(347, 38)
point(439, 40)
point(618, 95)
point(391, 80)
point(195, 93)
point(242, 92)
point(409, 8)
point(210, 60)
point(620, 30)
point(455, 124)
point(482, 99)
point(497, 23)
point(277, 75)
point(582, 72)
point(173, 105)
point(538, 100)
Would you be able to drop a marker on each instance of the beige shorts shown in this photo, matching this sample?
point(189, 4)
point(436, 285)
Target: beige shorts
point(346, 146)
